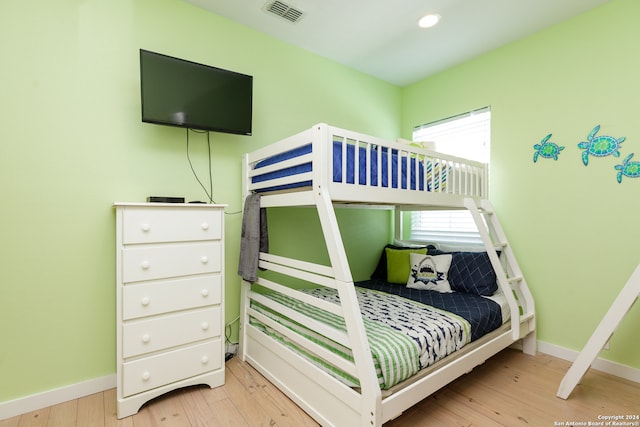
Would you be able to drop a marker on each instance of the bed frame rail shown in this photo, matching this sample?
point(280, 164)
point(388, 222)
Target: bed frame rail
point(283, 360)
point(385, 172)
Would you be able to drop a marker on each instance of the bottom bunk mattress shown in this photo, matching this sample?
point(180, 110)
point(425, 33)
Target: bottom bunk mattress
point(484, 314)
point(404, 335)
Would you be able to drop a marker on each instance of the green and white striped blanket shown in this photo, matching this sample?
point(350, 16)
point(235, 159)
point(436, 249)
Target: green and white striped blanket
point(404, 335)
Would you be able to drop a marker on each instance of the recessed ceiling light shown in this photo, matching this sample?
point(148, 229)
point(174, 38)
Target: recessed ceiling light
point(429, 21)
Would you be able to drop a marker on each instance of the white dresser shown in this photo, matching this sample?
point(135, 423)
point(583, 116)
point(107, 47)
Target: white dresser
point(170, 299)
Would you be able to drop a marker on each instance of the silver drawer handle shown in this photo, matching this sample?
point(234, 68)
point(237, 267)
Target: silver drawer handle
point(205, 226)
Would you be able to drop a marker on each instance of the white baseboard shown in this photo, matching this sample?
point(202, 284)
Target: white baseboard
point(22, 405)
point(37, 401)
point(613, 368)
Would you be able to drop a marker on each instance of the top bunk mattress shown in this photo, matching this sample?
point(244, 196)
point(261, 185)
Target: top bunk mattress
point(412, 172)
point(355, 167)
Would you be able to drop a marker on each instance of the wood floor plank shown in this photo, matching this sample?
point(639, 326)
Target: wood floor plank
point(10, 422)
point(144, 418)
point(283, 411)
point(226, 413)
point(63, 414)
point(242, 393)
point(468, 408)
point(515, 406)
point(597, 387)
point(524, 390)
point(91, 411)
point(510, 389)
point(214, 394)
point(196, 408)
point(295, 415)
point(110, 411)
point(223, 408)
point(36, 418)
point(521, 398)
point(167, 410)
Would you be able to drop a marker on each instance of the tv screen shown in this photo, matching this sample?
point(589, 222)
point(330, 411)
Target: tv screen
point(182, 93)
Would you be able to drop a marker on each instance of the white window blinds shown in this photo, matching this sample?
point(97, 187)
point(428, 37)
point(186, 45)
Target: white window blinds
point(445, 227)
point(466, 135)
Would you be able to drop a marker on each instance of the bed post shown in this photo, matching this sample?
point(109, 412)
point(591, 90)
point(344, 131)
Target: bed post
point(371, 395)
point(245, 286)
point(397, 224)
point(371, 413)
point(244, 319)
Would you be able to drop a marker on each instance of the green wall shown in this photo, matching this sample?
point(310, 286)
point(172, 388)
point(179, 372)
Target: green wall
point(73, 143)
point(573, 228)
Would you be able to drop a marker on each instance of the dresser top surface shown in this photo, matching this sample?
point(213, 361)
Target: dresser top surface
point(171, 205)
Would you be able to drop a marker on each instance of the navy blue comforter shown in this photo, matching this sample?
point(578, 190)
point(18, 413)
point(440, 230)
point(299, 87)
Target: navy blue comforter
point(483, 314)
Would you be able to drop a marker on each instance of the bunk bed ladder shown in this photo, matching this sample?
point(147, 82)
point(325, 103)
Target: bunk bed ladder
point(602, 334)
point(508, 273)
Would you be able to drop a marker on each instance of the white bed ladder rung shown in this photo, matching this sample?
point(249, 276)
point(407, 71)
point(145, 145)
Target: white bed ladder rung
point(515, 279)
point(508, 273)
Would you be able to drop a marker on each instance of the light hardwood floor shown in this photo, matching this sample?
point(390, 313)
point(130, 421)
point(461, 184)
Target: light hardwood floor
point(510, 389)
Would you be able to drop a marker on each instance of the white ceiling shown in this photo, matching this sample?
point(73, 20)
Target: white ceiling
point(382, 38)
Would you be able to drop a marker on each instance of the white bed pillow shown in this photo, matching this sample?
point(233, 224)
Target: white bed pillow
point(430, 272)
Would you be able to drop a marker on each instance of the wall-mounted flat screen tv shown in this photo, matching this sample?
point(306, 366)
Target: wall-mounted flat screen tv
point(177, 92)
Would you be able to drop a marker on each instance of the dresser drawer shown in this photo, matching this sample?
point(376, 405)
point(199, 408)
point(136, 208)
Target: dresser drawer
point(171, 260)
point(158, 333)
point(148, 299)
point(155, 371)
point(154, 225)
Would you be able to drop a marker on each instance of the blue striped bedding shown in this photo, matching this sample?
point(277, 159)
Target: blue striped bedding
point(408, 166)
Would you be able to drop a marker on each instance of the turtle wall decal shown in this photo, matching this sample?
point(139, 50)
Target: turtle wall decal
point(628, 168)
point(600, 146)
point(547, 149)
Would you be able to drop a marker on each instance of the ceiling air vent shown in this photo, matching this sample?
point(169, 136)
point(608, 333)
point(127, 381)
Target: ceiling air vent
point(283, 10)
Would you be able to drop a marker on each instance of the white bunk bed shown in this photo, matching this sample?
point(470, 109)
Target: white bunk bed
point(306, 170)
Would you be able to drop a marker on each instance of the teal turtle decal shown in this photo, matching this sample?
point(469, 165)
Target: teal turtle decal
point(628, 168)
point(600, 146)
point(547, 149)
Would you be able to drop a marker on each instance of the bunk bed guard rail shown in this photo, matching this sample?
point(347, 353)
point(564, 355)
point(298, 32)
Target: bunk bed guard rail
point(360, 168)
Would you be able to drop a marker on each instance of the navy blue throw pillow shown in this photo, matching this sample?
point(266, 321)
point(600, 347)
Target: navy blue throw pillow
point(472, 272)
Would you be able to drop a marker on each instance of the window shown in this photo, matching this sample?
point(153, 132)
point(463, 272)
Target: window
point(467, 135)
point(448, 228)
